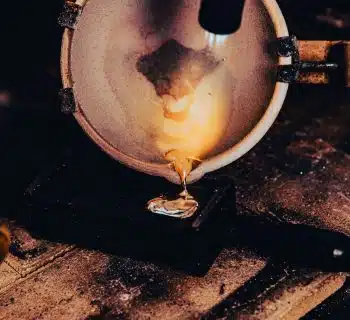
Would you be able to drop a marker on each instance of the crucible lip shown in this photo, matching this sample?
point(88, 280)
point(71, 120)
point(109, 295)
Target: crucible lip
point(208, 165)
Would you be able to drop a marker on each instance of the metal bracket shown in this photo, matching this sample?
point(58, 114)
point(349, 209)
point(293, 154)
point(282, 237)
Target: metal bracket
point(69, 15)
point(67, 102)
point(288, 73)
point(288, 47)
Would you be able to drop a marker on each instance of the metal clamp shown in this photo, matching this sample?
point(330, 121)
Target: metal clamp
point(288, 47)
point(66, 100)
point(288, 73)
point(69, 15)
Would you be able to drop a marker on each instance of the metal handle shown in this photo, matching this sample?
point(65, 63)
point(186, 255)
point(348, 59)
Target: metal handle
point(314, 62)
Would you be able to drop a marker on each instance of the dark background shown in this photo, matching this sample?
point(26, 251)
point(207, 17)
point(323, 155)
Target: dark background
point(30, 44)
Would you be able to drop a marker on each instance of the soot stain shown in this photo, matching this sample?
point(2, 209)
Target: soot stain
point(176, 70)
point(150, 279)
point(16, 250)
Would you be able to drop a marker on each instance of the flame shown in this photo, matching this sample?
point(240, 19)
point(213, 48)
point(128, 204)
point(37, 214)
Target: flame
point(202, 123)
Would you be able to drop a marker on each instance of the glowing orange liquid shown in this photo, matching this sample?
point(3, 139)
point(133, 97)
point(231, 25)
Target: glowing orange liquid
point(183, 165)
point(185, 205)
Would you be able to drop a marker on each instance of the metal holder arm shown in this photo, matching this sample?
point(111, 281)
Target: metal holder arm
point(288, 47)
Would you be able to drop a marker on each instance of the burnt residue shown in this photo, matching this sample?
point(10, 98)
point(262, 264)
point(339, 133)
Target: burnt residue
point(17, 251)
point(176, 70)
point(125, 283)
point(152, 281)
point(24, 246)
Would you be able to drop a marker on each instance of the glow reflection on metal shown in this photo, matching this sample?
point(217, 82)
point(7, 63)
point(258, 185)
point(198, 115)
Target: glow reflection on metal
point(180, 208)
point(215, 40)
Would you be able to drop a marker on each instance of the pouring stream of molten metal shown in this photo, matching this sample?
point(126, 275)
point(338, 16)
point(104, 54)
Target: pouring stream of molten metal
point(197, 122)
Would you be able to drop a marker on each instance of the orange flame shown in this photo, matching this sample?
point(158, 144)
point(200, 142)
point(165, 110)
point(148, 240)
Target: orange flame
point(195, 124)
